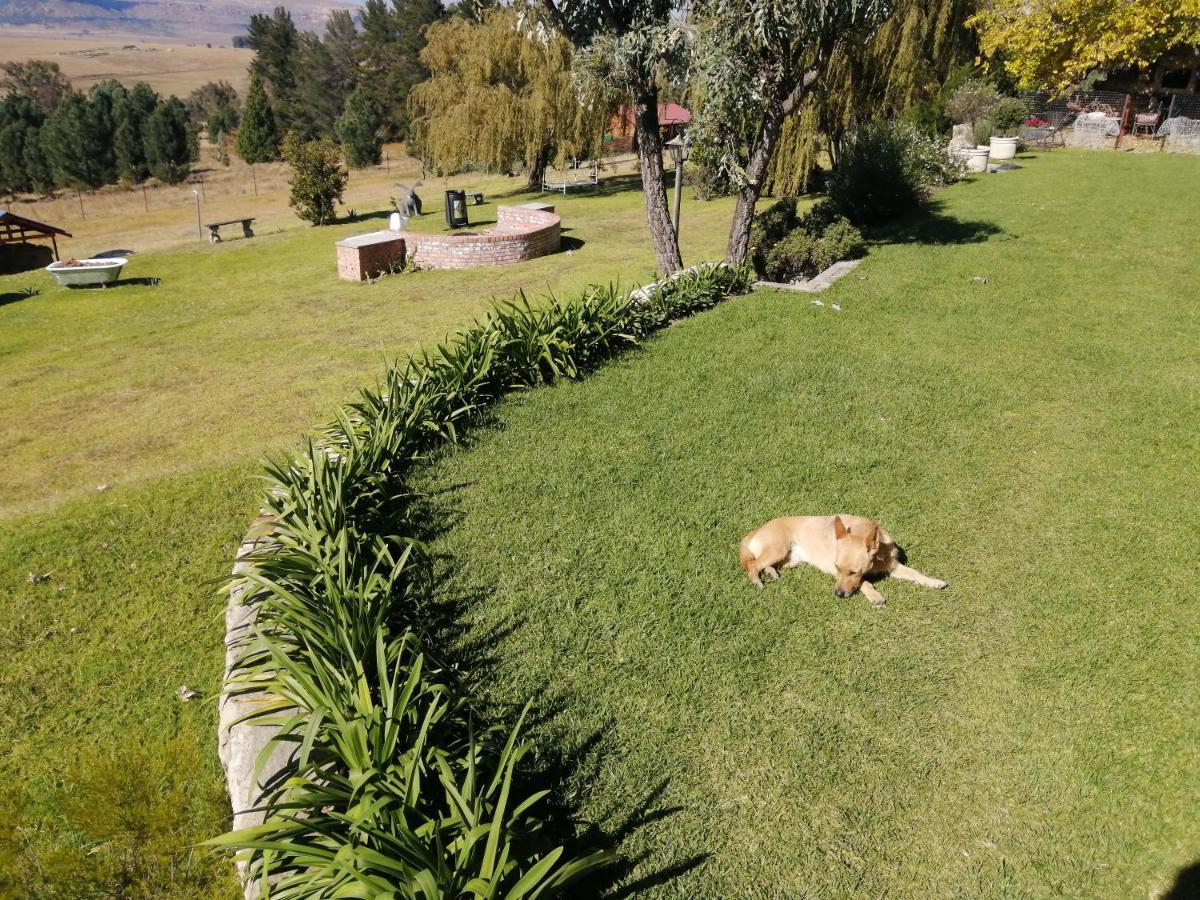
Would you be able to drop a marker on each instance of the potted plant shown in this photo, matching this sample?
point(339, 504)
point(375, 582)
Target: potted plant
point(1006, 116)
point(971, 101)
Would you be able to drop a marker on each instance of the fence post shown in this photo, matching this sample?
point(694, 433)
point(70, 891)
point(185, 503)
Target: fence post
point(1121, 125)
point(145, 200)
point(81, 212)
point(254, 178)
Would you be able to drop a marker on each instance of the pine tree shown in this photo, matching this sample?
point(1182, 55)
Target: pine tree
point(129, 138)
point(275, 41)
point(358, 128)
point(37, 166)
point(20, 120)
point(257, 139)
point(390, 48)
point(73, 142)
point(170, 142)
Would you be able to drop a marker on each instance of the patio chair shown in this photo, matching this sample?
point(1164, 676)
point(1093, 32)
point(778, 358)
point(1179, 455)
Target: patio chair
point(1147, 122)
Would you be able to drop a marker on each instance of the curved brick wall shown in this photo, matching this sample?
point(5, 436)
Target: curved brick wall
point(520, 232)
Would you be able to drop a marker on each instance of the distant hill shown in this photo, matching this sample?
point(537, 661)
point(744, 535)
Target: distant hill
point(181, 20)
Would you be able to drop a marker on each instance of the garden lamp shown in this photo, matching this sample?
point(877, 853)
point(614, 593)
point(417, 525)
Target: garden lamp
point(679, 153)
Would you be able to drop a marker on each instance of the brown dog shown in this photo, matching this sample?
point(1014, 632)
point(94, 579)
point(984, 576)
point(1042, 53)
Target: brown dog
point(850, 548)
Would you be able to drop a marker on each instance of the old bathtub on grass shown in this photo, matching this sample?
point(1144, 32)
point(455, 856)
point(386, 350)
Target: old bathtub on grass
point(87, 272)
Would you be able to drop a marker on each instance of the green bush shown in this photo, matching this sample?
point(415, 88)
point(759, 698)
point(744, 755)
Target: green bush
point(1007, 115)
point(887, 168)
point(770, 227)
point(784, 245)
point(318, 177)
point(395, 787)
point(820, 239)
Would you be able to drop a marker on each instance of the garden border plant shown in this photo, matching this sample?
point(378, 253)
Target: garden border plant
point(387, 783)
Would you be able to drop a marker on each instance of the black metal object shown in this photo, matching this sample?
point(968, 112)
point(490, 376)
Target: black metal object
point(477, 199)
point(456, 209)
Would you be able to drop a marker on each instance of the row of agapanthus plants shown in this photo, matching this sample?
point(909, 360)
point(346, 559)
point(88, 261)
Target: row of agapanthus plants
point(395, 786)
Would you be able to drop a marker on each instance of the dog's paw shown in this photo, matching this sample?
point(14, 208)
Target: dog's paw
point(939, 585)
point(878, 601)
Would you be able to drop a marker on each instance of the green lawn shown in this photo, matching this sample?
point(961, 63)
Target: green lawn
point(167, 395)
point(1032, 439)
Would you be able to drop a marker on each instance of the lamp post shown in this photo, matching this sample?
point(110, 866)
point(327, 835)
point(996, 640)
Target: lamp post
point(199, 229)
point(679, 153)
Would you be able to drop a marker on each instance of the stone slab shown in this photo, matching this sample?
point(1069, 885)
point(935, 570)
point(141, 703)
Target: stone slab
point(815, 284)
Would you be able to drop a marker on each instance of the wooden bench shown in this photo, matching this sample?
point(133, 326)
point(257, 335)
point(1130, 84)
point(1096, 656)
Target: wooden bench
point(214, 228)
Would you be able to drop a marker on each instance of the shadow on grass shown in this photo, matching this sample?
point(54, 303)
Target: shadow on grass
point(17, 296)
point(929, 225)
point(1186, 885)
point(563, 762)
point(148, 281)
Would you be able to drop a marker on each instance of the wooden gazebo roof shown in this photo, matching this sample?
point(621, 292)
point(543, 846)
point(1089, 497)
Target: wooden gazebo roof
point(16, 229)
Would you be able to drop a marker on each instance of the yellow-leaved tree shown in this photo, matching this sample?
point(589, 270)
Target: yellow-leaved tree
point(1052, 44)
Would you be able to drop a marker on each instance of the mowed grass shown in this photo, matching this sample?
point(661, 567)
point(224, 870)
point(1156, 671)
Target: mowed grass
point(167, 396)
point(243, 345)
point(1033, 440)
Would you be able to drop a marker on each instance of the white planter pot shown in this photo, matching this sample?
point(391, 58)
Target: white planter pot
point(1004, 147)
point(977, 159)
point(88, 271)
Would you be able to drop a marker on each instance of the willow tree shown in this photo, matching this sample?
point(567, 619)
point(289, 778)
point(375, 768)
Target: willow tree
point(758, 61)
point(902, 62)
point(499, 95)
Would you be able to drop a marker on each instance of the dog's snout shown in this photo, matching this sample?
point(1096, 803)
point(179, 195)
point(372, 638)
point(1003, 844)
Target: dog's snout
point(838, 592)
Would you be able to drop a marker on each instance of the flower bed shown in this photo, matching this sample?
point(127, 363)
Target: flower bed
point(378, 777)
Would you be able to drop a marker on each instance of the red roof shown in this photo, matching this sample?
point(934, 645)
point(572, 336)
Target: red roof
point(668, 114)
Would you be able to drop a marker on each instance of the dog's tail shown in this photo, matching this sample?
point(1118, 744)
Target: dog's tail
point(745, 557)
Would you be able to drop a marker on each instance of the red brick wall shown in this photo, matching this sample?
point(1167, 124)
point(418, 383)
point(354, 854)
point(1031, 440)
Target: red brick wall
point(360, 263)
point(519, 234)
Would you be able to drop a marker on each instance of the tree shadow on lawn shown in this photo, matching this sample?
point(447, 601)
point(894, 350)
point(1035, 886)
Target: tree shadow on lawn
point(562, 762)
point(1186, 885)
point(929, 225)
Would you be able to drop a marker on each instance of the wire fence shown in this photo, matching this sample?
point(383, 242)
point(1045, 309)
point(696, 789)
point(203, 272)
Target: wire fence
point(1108, 120)
point(1180, 130)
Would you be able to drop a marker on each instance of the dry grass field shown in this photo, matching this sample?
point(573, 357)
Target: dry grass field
point(163, 217)
point(169, 68)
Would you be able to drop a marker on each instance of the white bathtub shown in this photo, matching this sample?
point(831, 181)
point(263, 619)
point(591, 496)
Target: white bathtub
point(88, 271)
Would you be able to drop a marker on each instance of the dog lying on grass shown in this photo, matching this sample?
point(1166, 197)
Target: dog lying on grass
point(850, 548)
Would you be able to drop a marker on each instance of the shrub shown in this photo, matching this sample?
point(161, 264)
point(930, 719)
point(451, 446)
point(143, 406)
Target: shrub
point(971, 101)
point(821, 238)
point(318, 179)
point(886, 169)
point(770, 227)
point(394, 788)
point(1007, 115)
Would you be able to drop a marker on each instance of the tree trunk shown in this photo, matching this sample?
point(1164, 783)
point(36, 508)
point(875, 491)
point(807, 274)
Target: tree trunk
point(761, 151)
point(649, 148)
point(537, 172)
point(749, 191)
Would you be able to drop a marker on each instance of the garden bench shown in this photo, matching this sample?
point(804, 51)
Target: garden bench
point(214, 228)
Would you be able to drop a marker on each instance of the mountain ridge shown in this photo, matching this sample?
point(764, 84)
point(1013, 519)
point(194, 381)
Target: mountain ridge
point(194, 20)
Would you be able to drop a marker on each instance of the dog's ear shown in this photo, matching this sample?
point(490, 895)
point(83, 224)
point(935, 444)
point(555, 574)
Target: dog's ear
point(839, 530)
point(873, 537)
